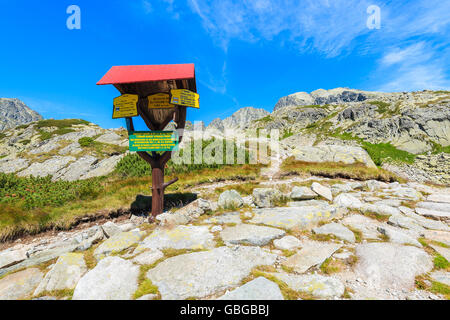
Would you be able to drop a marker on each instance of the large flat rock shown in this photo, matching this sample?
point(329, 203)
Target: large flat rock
point(257, 289)
point(250, 234)
point(427, 223)
point(295, 217)
point(112, 279)
point(65, 273)
point(333, 153)
point(317, 285)
point(336, 229)
point(391, 266)
point(200, 274)
point(180, 237)
point(20, 285)
point(229, 217)
point(435, 214)
point(445, 252)
point(439, 197)
point(367, 226)
point(312, 253)
point(117, 243)
point(440, 236)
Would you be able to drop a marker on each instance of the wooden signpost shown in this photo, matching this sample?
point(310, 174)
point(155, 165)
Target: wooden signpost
point(158, 94)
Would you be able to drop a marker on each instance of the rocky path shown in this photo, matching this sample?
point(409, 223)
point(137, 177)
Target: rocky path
point(347, 240)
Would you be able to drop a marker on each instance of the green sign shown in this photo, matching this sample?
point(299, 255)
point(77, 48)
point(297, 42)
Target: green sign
point(153, 140)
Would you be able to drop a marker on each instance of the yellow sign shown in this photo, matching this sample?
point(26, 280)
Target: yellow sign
point(159, 100)
point(184, 97)
point(125, 106)
point(153, 140)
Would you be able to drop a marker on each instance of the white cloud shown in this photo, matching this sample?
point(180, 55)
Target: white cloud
point(327, 27)
point(148, 8)
point(417, 66)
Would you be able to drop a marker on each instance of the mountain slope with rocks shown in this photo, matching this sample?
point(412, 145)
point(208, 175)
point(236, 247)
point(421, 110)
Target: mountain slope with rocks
point(324, 219)
point(68, 149)
point(14, 112)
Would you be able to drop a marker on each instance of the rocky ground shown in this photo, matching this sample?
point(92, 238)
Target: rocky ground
point(65, 149)
point(292, 238)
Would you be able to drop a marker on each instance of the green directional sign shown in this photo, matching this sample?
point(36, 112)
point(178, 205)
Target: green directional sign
point(153, 140)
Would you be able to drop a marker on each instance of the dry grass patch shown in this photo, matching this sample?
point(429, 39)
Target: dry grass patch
point(145, 285)
point(330, 266)
point(286, 291)
point(357, 171)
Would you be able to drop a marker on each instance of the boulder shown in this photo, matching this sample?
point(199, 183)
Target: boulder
point(117, 243)
point(180, 237)
point(333, 153)
point(295, 217)
point(322, 191)
point(287, 243)
point(111, 229)
point(347, 201)
point(148, 257)
point(230, 199)
point(250, 234)
point(389, 265)
point(200, 274)
point(313, 253)
point(229, 217)
point(397, 236)
point(112, 279)
point(64, 274)
point(337, 230)
point(20, 285)
point(257, 289)
point(266, 197)
point(302, 193)
point(316, 285)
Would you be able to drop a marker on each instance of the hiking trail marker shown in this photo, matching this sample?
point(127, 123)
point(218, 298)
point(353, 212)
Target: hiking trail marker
point(158, 94)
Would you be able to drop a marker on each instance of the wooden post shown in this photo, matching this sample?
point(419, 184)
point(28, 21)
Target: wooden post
point(157, 120)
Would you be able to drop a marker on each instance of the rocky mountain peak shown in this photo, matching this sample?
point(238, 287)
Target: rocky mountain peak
point(14, 112)
point(239, 120)
point(321, 97)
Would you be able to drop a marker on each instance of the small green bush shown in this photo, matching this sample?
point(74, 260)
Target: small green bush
point(38, 192)
point(66, 123)
point(383, 107)
point(132, 165)
point(381, 151)
point(86, 141)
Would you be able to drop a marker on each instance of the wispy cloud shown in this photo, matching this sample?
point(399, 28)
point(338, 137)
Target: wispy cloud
point(326, 26)
point(412, 42)
point(331, 28)
point(417, 66)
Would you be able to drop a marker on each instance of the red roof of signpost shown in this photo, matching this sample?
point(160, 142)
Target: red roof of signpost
point(133, 74)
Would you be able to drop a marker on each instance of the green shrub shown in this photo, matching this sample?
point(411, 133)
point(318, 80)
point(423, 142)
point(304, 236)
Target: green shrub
point(44, 135)
point(86, 141)
point(38, 192)
point(265, 119)
point(383, 107)
point(66, 123)
point(25, 142)
point(132, 165)
point(381, 151)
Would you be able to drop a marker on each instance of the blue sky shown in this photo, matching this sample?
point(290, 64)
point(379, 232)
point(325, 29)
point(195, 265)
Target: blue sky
point(246, 53)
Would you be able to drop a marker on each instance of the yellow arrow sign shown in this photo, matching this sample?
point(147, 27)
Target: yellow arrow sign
point(125, 106)
point(159, 100)
point(184, 97)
